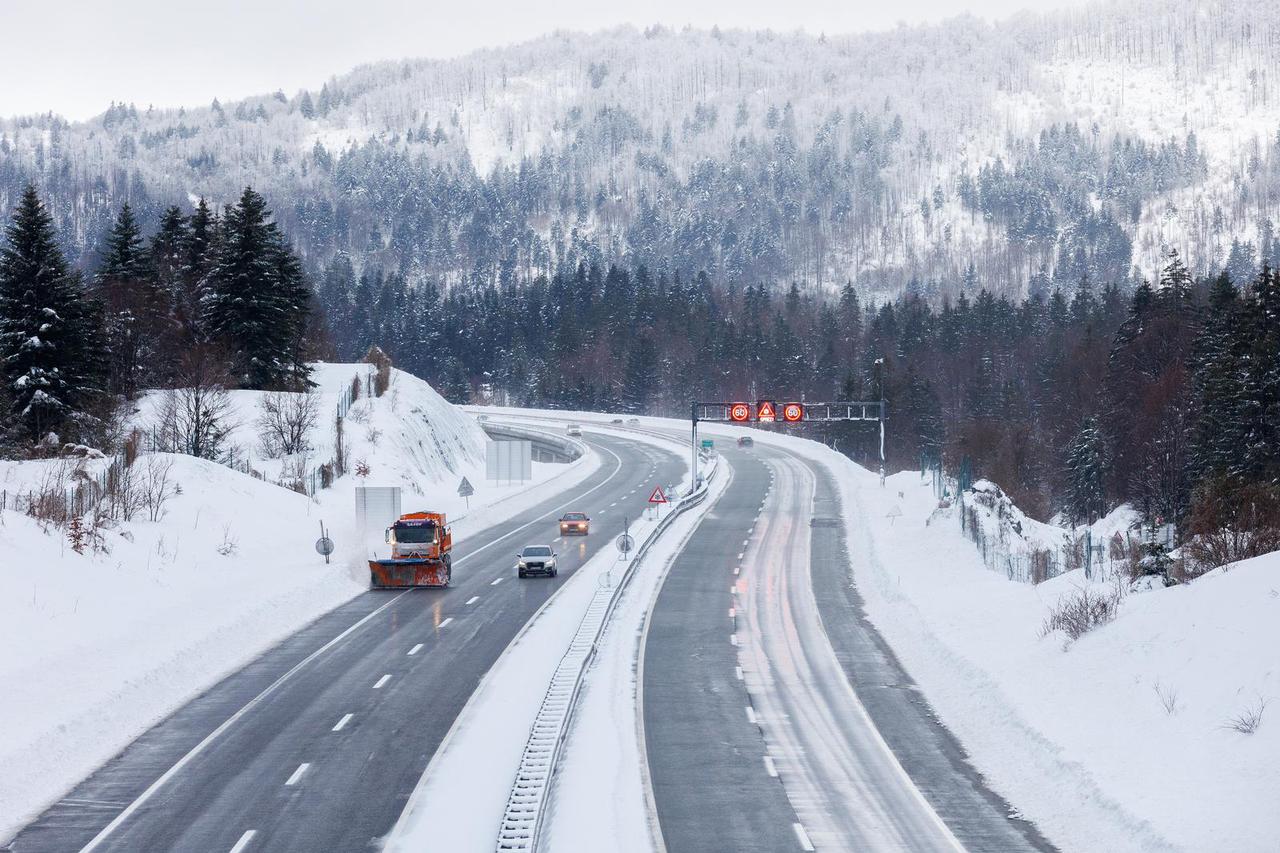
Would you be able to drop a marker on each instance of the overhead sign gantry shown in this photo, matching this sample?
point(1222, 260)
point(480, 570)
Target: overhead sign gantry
point(793, 412)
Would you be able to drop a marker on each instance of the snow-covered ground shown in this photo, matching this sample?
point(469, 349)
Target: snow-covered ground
point(96, 647)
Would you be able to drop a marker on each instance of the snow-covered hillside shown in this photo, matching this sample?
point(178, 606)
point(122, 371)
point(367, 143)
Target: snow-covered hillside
point(1124, 739)
point(97, 646)
point(753, 155)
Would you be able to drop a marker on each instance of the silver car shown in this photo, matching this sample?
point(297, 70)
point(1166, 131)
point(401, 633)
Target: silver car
point(536, 560)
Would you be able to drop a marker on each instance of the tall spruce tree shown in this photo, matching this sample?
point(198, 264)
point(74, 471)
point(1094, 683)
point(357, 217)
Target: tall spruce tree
point(136, 310)
point(50, 335)
point(1087, 466)
point(255, 299)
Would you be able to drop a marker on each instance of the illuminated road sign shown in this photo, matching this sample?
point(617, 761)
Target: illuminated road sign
point(740, 413)
point(793, 412)
point(766, 412)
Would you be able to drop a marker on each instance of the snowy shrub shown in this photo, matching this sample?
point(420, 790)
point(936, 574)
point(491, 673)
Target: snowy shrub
point(1168, 697)
point(229, 546)
point(1248, 720)
point(156, 487)
point(1081, 611)
point(1231, 522)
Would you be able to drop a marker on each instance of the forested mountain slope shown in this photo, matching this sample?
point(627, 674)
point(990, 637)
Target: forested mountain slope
point(1021, 154)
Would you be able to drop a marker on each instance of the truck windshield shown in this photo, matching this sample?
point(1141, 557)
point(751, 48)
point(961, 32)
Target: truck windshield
point(416, 535)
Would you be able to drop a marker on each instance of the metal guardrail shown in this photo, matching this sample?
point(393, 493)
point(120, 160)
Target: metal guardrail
point(522, 822)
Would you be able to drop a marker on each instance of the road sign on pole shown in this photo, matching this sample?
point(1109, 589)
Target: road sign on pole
point(657, 497)
point(324, 545)
point(466, 490)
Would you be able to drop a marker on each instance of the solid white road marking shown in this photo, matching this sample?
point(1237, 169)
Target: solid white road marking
point(297, 774)
point(244, 840)
point(415, 649)
point(751, 715)
point(473, 599)
point(342, 724)
point(496, 581)
point(769, 766)
point(802, 836)
point(446, 622)
point(381, 681)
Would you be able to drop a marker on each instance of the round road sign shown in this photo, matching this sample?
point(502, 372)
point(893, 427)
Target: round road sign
point(324, 545)
point(740, 412)
point(626, 543)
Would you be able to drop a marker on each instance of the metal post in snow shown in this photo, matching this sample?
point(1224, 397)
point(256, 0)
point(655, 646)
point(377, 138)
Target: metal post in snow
point(693, 418)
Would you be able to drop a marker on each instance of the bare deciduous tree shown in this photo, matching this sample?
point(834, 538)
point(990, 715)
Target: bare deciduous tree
point(156, 486)
point(194, 417)
point(285, 421)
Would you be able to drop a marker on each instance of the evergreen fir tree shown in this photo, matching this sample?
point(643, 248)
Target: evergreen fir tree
point(255, 299)
point(1087, 466)
point(135, 309)
point(50, 332)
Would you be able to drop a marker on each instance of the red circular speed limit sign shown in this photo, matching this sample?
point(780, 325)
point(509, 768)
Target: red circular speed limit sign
point(740, 412)
point(793, 412)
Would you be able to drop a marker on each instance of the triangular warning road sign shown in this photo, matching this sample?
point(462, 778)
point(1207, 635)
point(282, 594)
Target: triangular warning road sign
point(657, 497)
point(765, 412)
point(465, 489)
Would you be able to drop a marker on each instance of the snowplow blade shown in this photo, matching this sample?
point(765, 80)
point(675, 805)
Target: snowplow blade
point(401, 573)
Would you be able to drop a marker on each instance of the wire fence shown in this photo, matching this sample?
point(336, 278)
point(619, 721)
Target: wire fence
point(67, 491)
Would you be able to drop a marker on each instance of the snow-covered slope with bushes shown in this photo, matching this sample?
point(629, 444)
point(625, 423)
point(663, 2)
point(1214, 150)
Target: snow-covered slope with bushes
point(1126, 739)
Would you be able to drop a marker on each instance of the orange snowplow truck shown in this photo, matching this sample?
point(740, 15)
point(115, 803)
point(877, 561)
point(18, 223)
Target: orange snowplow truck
point(421, 553)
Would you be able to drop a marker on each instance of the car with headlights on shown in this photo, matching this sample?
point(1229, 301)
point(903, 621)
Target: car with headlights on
point(536, 560)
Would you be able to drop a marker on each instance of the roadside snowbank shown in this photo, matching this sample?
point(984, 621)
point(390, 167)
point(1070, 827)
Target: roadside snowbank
point(97, 647)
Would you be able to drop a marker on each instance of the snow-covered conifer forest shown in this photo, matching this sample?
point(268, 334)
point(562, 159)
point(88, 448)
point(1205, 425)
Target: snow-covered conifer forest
point(616, 221)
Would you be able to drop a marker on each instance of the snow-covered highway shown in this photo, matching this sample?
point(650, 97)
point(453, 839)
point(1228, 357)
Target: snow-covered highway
point(317, 744)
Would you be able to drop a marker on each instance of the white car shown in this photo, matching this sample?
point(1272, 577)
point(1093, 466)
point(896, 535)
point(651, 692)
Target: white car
point(536, 560)
point(573, 429)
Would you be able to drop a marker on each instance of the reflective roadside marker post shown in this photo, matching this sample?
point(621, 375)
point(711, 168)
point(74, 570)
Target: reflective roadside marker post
point(324, 545)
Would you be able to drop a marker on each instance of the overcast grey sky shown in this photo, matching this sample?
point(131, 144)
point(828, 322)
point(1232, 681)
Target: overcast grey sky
point(75, 56)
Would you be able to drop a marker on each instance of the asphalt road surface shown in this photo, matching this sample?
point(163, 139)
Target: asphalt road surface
point(775, 716)
point(317, 744)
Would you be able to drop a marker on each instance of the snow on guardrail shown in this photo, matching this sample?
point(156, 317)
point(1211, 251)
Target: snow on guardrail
point(522, 821)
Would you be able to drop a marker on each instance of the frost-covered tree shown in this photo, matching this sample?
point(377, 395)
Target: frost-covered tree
point(50, 337)
point(1087, 466)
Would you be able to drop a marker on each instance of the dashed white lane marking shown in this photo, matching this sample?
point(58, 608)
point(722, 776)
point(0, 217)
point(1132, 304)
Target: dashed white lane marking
point(731, 612)
point(297, 774)
point(733, 638)
point(745, 543)
point(381, 681)
point(244, 840)
point(737, 569)
point(743, 554)
point(342, 724)
point(802, 837)
point(496, 581)
point(733, 590)
point(415, 649)
point(769, 766)
point(737, 670)
point(751, 715)
point(445, 622)
point(473, 599)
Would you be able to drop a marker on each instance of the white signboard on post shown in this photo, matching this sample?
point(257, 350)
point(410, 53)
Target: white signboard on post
point(377, 507)
point(510, 461)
